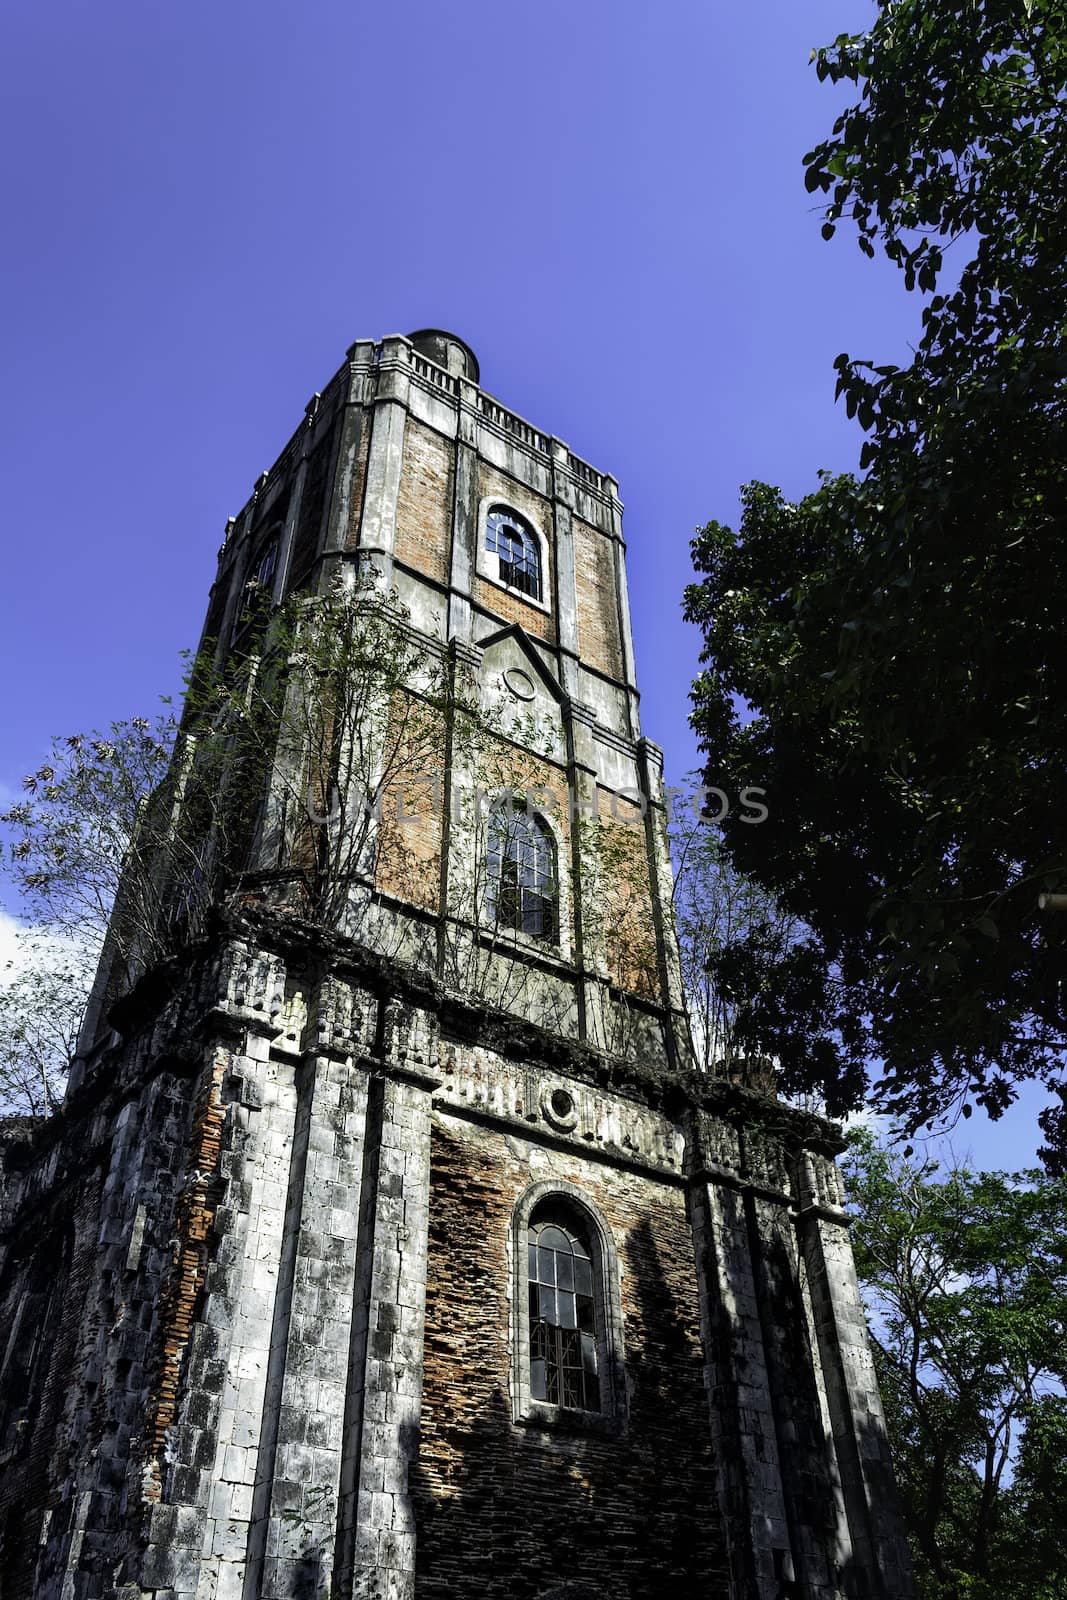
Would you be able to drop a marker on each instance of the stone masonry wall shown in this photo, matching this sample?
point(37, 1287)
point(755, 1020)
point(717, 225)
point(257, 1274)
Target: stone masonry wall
point(31, 1467)
point(287, 1359)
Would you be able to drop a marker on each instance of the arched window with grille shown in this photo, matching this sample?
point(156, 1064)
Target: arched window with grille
point(522, 892)
point(258, 592)
point(568, 1323)
point(517, 549)
point(563, 1345)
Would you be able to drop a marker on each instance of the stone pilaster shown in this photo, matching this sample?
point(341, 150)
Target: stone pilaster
point(661, 879)
point(292, 515)
point(355, 419)
point(376, 1524)
point(298, 1478)
point(589, 941)
point(385, 459)
point(752, 1499)
point(463, 555)
point(566, 585)
point(819, 1544)
point(881, 1563)
point(622, 591)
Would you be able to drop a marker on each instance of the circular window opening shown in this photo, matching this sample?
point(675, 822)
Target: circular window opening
point(562, 1103)
point(520, 683)
point(559, 1109)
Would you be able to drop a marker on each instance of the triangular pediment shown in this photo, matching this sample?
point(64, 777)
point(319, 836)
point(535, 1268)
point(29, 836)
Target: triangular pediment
point(513, 641)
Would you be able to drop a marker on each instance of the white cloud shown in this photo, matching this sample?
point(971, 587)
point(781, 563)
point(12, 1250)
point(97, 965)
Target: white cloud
point(21, 947)
point(865, 1117)
point(10, 928)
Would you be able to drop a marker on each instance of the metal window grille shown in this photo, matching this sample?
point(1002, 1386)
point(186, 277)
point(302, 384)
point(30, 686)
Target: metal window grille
point(522, 891)
point(259, 585)
point(563, 1354)
point(518, 551)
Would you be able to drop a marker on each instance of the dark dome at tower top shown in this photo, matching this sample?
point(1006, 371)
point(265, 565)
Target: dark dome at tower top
point(448, 350)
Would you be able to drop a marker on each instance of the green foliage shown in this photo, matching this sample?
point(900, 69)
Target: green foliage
point(733, 940)
point(43, 986)
point(123, 840)
point(292, 778)
point(960, 134)
point(69, 835)
point(899, 638)
point(68, 843)
point(965, 1275)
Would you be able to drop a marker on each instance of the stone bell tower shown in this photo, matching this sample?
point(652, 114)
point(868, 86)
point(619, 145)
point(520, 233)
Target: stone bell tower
point(387, 1243)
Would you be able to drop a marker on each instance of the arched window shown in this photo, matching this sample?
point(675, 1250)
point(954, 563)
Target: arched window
point(258, 591)
point(563, 1332)
point(517, 548)
point(569, 1369)
point(522, 892)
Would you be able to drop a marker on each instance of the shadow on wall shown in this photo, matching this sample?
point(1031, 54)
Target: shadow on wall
point(535, 1513)
point(573, 1591)
point(888, 1573)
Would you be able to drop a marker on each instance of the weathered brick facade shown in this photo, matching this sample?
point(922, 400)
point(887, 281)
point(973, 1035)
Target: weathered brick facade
point(424, 502)
point(265, 1323)
point(598, 620)
point(525, 1509)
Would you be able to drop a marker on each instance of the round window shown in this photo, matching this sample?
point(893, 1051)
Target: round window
point(519, 683)
point(559, 1110)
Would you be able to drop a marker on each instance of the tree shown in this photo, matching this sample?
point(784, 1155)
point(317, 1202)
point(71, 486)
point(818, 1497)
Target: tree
point(320, 769)
point(43, 987)
point(70, 835)
point(885, 657)
point(279, 767)
point(68, 842)
point(725, 926)
point(271, 784)
point(965, 1277)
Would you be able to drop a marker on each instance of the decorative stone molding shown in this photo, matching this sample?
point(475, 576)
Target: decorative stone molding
point(408, 1035)
point(341, 1020)
point(480, 1081)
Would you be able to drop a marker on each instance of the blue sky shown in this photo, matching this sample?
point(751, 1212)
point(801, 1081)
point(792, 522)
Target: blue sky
point(206, 204)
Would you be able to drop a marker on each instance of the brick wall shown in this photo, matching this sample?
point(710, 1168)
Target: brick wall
point(509, 1509)
point(183, 1287)
point(512, 608)
point(424, 502)
point(624, 906)
point(408, 858)
point(598, 607)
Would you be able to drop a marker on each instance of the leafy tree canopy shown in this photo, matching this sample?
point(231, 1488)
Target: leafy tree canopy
point(898, 638)
point(719, 915)
point(965, 1276)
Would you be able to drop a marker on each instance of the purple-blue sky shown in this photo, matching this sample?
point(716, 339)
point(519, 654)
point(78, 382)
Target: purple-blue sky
point(204, 206)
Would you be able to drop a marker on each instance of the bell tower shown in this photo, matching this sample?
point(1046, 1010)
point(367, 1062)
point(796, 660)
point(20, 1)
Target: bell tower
point(397, 1249)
